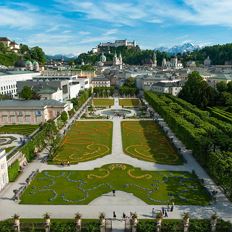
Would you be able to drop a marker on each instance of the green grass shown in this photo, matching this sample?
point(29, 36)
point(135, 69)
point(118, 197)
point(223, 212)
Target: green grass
point(129, 102)
point(86, 140)
point(8, 149)
point(18, 129)
point(82, 187)
point(103, 102)
point(13, 171)
point(145, 141)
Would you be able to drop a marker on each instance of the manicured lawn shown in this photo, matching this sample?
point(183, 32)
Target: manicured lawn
point(81, 187)
point(103, 102)
point(86, 140)
point(144, 140)
point(18, 129)
point(8, 149)
point(129, 102)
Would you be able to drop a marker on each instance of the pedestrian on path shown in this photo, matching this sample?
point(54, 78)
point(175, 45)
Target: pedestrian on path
point(114, 215)
point(172, 207)
point(165, 213)
point(113, 191)
point(163, 210)
point(153, 212)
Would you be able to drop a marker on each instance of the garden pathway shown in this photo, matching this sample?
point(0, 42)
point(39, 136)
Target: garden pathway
point(108, 204)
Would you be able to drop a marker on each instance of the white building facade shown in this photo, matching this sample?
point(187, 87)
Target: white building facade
point(4, 179)
point(30, 111)
point(8, 81)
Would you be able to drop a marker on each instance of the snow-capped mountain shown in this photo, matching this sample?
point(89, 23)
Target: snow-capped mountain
point(187, 47)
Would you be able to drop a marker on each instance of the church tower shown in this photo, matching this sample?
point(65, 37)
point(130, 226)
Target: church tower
point(154, 60)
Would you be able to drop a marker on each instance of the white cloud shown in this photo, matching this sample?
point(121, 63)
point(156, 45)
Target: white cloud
point(15, 18)
point(130, 13)
point(111, 32)
point(97, 39)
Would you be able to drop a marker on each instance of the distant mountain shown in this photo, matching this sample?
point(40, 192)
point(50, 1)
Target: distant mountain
point(66, 57)
point(187, 47)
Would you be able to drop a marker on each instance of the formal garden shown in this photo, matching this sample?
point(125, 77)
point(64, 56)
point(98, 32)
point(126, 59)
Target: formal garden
point(102, 102)
point(144, 140)
point(82, 187)
point(129, 102)
point(85, 140)
point(18, 129)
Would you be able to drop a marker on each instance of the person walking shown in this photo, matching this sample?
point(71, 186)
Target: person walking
point(168, 207)
point(113, 191)
point(153, 212)
point(163, 210)
point(173, 205)
point(114, 215)
point(165, 213)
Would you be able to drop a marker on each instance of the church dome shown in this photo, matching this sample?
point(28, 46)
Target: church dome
point(28, 65)
point(28, 62)
point(20, 64)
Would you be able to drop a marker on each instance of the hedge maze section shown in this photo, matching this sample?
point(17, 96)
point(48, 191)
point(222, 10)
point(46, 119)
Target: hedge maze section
point(145, 141)
point(82, 187)
point(86, 140)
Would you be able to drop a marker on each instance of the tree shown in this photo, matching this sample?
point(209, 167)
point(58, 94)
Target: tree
point(221, 86)
point(229, 87)
point(26, 93)
point(227, 97)
point(54, 146)
point(64, 116)
point(38, 54)
point(130, 82)
point(197, 91)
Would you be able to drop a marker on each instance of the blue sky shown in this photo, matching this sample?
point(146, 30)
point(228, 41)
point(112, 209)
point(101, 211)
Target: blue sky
point(76, 26)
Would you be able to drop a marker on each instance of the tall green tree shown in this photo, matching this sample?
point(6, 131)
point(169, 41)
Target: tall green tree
point(38, 54)
point(26, 93)
point(197, 91)
point(221, 86)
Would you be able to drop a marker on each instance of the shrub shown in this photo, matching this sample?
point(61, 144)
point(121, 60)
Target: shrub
point(13, 171)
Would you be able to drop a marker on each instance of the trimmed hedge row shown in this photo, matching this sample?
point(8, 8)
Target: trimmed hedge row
point(177, 226)
point(221, 114)
point(204, 135)
point(56, 226)
point(14, 171)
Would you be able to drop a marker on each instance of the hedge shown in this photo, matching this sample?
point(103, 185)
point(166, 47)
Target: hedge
point(177, 226)
point(14, 171)
point(203, 134)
